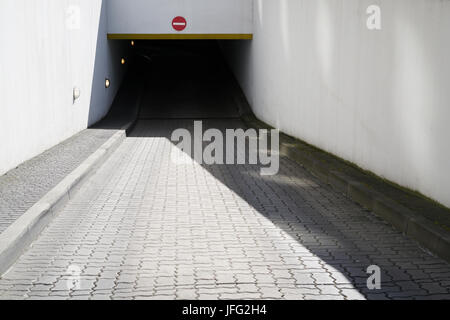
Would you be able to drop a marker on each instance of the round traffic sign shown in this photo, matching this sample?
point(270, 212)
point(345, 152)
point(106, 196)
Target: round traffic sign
point(179, 23)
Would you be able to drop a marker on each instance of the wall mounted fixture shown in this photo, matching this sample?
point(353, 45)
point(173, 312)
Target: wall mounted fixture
point(123, 61)
point(76, 93)
point(107, 83)
point(132, 43)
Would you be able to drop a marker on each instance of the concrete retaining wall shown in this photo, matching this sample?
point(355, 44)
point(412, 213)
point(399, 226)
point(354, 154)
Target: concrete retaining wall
point(378, 98)
point(48, 47)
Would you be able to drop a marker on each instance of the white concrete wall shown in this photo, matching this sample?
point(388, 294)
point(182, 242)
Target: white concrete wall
point(41, 60)
point(203, 16)
point(380, 99)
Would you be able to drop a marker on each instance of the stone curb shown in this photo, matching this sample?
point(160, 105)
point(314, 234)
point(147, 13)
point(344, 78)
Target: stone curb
point(18, 236)
point(412, 224)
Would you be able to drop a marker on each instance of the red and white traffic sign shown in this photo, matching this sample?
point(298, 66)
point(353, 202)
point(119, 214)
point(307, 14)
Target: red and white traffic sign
point(179, 23)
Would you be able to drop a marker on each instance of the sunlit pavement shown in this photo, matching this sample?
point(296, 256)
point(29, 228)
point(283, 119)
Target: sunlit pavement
point(146, 227)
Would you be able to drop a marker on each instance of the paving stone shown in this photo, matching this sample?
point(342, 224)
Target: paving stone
point(322, 297)
point(352, 294)
point(186, 294)
point(271, 293)
point(328, 290)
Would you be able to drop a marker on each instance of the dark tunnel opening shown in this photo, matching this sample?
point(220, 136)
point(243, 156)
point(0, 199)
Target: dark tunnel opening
point(184, 80)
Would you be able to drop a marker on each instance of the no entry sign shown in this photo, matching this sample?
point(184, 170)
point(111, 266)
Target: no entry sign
point(179, 23)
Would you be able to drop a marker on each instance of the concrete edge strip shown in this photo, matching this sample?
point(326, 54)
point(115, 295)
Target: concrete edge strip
point(411, 224)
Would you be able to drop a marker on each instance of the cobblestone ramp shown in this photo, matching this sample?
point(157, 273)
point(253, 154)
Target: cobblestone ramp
point(144, 227)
